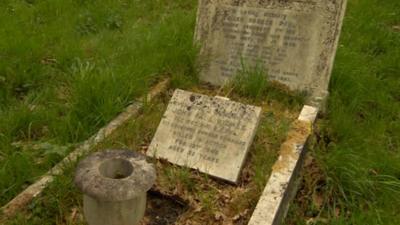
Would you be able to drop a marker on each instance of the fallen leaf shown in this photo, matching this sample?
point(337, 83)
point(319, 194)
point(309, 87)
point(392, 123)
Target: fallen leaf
point(75, 215)
point(318, 200)
point(219, 216)
point(240, 215)
point(337, 212)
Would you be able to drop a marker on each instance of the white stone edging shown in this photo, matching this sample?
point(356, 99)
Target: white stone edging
point(281, 187)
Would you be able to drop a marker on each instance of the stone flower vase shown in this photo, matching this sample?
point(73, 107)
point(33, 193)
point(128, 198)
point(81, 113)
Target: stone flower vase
point(114, 185)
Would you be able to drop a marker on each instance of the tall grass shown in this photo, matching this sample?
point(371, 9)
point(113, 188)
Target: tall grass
point(358, 147)
point(252, 81)
point(68, 67)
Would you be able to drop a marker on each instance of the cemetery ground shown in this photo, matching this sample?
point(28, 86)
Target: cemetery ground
point(68, 68)
point(191, 195)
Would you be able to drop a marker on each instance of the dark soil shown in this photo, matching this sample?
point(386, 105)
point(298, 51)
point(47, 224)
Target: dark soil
point(162, 210)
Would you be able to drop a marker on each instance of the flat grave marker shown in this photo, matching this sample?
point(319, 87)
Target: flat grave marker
point(210, 134)
point(294, 41)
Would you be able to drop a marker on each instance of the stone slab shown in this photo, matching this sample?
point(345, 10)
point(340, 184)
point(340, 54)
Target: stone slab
point(282, 185)
point(294, 41)
point(210, 134)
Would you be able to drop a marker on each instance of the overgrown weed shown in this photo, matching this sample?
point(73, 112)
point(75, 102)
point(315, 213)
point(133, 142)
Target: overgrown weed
point(69, 67)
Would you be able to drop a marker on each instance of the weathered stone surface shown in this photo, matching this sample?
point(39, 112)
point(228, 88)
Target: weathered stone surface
point(114, 184)
point(114, 175)
point(272, 207)
point(294, 41)
point(206, 133)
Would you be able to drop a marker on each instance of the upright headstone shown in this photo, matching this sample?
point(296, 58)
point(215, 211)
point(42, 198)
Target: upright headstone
point(294, 41)
point(210, 134)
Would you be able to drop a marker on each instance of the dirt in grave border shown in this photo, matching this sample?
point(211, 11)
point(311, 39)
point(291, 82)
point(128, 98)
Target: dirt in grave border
point(182, 196)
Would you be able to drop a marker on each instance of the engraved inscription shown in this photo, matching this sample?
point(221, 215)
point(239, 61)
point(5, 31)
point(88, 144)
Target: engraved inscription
point(293, 41)
point(206, 133)
point(259, 37)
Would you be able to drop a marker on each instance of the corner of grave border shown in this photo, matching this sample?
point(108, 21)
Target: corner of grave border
point(281, 186)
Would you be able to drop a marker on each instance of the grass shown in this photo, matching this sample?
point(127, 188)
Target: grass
point(68, 67)
point(58, 86)
point(61, 202)
point(355, 175)
point(252, 82)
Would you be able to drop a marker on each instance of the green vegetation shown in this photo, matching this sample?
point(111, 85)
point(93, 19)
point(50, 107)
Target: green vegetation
point(61, 202)
point(355, 178)
point(68, 67)
point(252, 82)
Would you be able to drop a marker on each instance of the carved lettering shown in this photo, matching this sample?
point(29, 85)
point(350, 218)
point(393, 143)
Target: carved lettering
point(205, 132)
